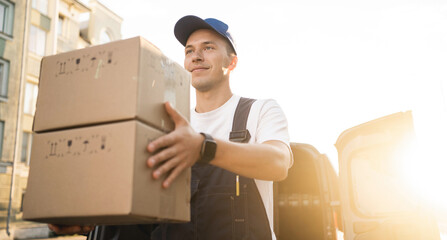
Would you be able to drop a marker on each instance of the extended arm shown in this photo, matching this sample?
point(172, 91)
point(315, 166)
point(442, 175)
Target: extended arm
point(70, 229)
point(180, 149)
point(267, 161)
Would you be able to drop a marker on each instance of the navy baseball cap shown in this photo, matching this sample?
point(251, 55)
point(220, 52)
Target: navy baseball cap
point(188, 24)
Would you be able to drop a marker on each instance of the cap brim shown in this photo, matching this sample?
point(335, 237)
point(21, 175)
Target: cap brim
point(187, 25)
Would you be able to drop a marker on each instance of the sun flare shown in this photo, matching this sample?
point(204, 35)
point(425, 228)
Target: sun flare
point(424, 167)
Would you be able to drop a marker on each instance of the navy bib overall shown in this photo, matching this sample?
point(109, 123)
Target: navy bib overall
point(217, 212)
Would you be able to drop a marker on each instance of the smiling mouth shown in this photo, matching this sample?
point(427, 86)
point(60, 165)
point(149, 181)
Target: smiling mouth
point(199, 69)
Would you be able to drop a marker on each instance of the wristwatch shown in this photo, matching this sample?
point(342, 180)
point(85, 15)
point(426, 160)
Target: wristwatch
point(208, 150)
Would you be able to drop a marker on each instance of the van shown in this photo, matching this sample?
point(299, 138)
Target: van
point(368, 200)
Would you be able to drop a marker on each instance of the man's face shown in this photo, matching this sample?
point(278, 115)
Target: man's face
point(207, 59)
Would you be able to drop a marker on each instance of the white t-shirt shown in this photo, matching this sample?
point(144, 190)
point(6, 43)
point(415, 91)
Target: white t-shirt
point(266, 121)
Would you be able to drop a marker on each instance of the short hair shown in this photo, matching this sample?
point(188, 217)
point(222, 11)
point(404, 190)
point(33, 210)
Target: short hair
point(230, 50)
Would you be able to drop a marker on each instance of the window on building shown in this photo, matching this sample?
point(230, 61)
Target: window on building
point(4, 76)
point(2, 15)
point(37, 40)
point(2, 131)
point(104, 37)
point(26, 147)
point(60, 25)
point(6, 17)
point(23, 197)
point(41, 6)
point(31, 90)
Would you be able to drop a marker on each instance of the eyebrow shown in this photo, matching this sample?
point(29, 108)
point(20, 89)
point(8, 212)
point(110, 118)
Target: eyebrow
point(203, 43)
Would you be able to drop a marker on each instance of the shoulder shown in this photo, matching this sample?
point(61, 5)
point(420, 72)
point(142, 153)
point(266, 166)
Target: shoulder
point(267, 102)
point(268, 121)
point(266, 106)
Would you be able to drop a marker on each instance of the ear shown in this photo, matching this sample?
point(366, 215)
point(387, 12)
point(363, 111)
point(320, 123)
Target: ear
point(233, 64)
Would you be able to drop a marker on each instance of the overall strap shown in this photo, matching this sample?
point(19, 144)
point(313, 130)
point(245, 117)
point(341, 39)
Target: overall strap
point(239, 133)
point(256, 206)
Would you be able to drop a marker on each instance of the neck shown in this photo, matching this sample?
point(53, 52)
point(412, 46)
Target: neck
point(210, 100)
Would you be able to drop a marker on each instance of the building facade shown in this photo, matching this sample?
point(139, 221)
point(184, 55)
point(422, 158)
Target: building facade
point(31, 30)
point(13, 15)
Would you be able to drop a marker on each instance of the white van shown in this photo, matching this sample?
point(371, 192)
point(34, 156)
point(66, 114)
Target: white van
point(367, 201)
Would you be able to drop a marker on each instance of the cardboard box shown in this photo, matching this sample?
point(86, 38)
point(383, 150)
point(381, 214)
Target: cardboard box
point(122, 80)
point(98, 175)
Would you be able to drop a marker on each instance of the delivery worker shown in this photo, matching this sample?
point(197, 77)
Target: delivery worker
point(218, 210)
point(231, 185)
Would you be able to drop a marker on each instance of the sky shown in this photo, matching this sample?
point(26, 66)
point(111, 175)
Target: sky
point(331, 65)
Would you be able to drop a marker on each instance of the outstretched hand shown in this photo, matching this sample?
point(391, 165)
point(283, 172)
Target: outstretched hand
point(70, 229)
point(176, 151)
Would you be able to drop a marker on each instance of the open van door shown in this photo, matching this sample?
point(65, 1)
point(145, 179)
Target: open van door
point(376, 202)
point(307, 204)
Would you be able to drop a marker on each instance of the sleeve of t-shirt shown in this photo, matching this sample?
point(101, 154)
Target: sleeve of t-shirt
point(272, 123)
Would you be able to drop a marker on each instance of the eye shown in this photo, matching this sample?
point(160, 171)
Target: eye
point(189, 51)
point(207, 48)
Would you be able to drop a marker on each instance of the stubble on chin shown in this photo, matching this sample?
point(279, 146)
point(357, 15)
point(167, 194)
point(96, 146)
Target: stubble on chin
point(201, 86)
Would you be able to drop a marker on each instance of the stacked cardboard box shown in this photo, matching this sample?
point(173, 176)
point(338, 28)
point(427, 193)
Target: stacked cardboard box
point(97, 110)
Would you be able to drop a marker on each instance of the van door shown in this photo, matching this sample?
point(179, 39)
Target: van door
point(307, 202)
point(376, 201)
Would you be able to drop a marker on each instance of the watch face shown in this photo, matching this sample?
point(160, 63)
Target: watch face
point(210, 150)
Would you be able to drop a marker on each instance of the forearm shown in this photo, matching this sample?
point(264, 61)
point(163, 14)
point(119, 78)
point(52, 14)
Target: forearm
point(267, 161)
point(174, 152)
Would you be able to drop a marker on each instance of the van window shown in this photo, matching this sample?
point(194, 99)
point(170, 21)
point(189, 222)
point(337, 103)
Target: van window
point(377, 184)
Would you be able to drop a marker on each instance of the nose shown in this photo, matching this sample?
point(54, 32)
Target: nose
point(197, 56)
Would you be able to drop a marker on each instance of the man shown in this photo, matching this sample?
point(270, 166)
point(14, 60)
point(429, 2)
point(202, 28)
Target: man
point(210, 56)
point(220, 209)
